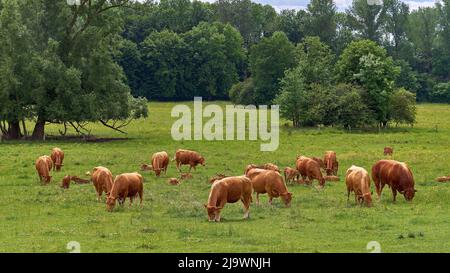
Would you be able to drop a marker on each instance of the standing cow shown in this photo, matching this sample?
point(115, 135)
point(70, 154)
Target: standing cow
point(187, 157)
point(125, 185)
point(331, 163)
point(358, 181)
point(43, 167)
point(58, 158)
point(395, 174)
point(309, 168)
point(270, 182)
point(160, 161)
point(229, 190)
point(102, 179)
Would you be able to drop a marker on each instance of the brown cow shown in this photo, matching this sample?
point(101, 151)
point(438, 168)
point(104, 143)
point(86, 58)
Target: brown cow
point(443, 179)
point(58, 158)
point(331, 163)
point(309, 168)
point(78, 180)
point(217, 177)
point(102, 179)
point(125, 185)
point(186, 157)
point(320, 161)
point(267, 166)
point(66, 182)
point(43, 167)
point(228, 190)
point(290, 174)
point(185, 176)
point(358, 181)
point(388, 151)
point(160, 161)
point(395, 174)
point(146, 167)
point(173, 181)
point(271, 182)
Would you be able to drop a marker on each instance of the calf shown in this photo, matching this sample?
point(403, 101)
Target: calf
point(309, 168)
point(66, 182)
point(271, 182)
point(388, 151)
point(58, 158)
point(395, 174)
point(290, 174)
point(43, 167)
point(125, 185)
point(160, 161)
point(331, 163)
point(186, 157)
point(358, 181)
point(443, 179)
point(173, 181)
point(102, 179)
point(229, 190)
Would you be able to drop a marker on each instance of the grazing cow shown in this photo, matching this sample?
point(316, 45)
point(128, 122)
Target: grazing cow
point(331, 163)
point(102, 179)
point(125, 185)
point(57, 158)
point(290, 174)
point(309, 168)
point(358, 181)
point(271, 182)
point(443, 179)
point(173, 181)
point(160, 161)
point(228, 190)
point(186, 157)
point(320, 161)
point(395, 174)
point(217, 177)
point(388, 151)
point(66, 182)
point(43, 167)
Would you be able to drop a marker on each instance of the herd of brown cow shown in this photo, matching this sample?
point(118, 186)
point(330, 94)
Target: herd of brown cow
point(263, 179)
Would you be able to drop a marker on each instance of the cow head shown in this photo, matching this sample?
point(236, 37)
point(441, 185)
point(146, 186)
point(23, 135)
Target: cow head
point(201, 161)
point(287, 198)
point(409, 194)
point(110, 202)
point(213, 213)
point(367, 198)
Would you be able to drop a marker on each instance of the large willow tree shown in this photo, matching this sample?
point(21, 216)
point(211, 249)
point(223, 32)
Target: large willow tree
point(57, 66)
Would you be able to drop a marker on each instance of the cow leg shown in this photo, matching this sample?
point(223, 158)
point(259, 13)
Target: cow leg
point(348, 195)
point(246, 202)
point(270, 200)
point(141, 197)
point(394, 193)
point(257, 199)
point(131, 201)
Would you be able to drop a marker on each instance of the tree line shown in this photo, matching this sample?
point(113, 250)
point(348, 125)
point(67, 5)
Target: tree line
point(99, 60)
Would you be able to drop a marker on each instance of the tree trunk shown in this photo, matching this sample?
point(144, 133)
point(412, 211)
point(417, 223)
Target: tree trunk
point(39, 130)
point(14, 130)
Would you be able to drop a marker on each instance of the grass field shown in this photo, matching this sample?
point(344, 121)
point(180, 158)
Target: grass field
point(36, 218)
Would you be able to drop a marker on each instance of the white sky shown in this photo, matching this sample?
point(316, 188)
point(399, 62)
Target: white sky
point(341, 4)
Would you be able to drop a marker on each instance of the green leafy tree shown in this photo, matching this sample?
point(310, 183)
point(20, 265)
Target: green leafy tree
point(366, 20)
point(352, 112)
point(321, 20)
point(268, 61)
point(366, 64)
point(292, 23)
point(243, 92)
point(441, 93)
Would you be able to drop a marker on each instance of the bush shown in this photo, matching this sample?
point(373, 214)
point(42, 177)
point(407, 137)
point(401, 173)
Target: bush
point(402, 107)
point(441, 93)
